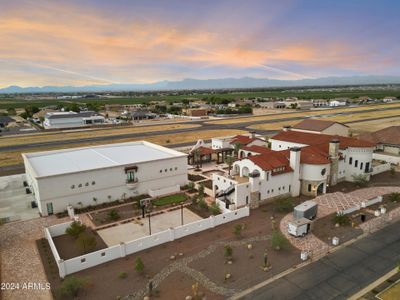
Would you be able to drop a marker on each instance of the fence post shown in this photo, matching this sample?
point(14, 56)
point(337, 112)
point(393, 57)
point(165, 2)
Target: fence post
point(171, 234)
point(122, 248)
point(61, 268)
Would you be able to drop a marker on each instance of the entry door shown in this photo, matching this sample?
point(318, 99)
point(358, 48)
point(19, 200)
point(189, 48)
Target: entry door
point(49, 208)
point(367, 167)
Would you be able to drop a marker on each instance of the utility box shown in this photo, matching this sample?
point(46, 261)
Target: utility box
point(307, 209)
point(299, 227)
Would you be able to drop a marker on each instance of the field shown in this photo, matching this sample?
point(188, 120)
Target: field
point(392, 293)
point(383, 115)
point(306, 113)
point(281, 93)
point(8, 158)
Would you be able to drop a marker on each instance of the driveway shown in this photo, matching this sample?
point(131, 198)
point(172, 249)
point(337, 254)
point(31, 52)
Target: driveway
point(15, 204)
point(341, 274)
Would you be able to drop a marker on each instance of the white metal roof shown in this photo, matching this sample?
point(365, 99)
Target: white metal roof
point(74, 160)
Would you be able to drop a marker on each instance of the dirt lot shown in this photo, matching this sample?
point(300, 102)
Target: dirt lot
point(105, 283)
point(67, 247)
point(367, 126)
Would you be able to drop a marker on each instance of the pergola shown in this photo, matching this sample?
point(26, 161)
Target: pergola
point(205, 154)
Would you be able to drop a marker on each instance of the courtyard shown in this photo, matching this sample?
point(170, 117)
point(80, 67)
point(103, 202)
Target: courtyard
point(134, 230)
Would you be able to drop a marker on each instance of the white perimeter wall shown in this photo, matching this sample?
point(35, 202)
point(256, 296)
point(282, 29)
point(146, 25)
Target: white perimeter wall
point(95, 258)
point(388, 158)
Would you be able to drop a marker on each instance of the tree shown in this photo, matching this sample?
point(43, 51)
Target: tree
point(31, 110)
point(75, 229)
point(237, 146)
point(71, 286)
point(284, 205)
point(197, 158)
point(392, 171)
point(394, 197)
point(11, 111)
point(139, 266)
point(278, 240)
point(229, 161)
point(214, 209)
point(86, 242)
point(201, 190)
point(341, 219)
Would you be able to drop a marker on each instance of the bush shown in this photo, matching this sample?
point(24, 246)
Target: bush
point(139, 266)
point(214, 209)
point(71, 286)
point(202, 204)
point(237, 230)
point(394, 197)
point(195, 199)
point(392, 171)
point(228, 251)
point(278, 240)
point(284, 205)
point(360, 180)
point(341, 219)
point(86, 242)
point(113, 215)
point(75, 229)
point(122, 275)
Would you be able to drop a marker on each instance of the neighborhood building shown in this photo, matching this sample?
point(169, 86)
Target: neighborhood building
point(387, 144)
point(69, 119)
point(297, 163)
point(322, 126)
point(93, 175)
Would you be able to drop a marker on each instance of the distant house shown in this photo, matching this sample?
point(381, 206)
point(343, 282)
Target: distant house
point(143, 115)
point(69, 119)
point(388, 143)
point(195, 112)
point(5, 120)
point(322, 127)
point(336, 103)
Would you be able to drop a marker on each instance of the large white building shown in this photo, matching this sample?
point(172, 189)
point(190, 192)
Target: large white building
point(93, 175)
point(69, 119)
point(297, 163)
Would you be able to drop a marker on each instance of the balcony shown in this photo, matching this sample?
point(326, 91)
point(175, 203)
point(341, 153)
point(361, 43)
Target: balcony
point(131, 183)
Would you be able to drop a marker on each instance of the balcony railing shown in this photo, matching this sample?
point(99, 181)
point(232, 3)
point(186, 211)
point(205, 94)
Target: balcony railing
point(131, 181)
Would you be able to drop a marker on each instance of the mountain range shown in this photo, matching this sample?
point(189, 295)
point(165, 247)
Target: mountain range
point(199, 84)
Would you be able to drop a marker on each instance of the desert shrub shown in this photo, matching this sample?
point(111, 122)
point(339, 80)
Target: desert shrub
point(122, 275)
point(214, 209)
point(237, 230)
point(202, 204)
point(114, 215)
point(278, 240)
point(86, 242)
point(284, 205)
point(341, 219)
point(139, 266)
point(394, 197)
point(75, 229)
point(360, 180)
point(71, 286)
point(228, 251)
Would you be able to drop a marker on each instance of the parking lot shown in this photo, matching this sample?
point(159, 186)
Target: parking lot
point(15, 204)
point(132, 231)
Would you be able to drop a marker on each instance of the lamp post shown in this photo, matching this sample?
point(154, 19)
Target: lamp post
point(182, 214)
point(149, 221)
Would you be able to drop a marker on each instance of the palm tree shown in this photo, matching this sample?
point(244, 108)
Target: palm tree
point(197, 158)
point(237, 147)
point(229, 161)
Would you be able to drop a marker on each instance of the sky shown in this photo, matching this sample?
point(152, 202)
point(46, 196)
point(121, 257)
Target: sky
point(83, 42)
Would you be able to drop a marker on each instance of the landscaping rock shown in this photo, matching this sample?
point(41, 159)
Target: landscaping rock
point(180, 254)
point(172, 257)
point(249, 246)
point(188, 298)
point(228, 275)
point(229, 262)
point(146, 298)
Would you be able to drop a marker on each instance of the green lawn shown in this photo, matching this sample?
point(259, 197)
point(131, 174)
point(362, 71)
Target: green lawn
point(170, 199)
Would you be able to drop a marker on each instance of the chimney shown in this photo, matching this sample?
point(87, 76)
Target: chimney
point(334, 156)
point(287, 128)
point(253, 134)
point(295, 154)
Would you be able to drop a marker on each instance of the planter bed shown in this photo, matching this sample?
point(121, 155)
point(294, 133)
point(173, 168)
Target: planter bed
point(195, 178)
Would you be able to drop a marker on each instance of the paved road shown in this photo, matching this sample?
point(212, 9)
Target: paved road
point(340, 274)
point(204, 126)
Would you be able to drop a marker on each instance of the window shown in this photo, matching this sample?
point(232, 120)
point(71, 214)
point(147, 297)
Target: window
point(93, 182)
point(361, 166)
point(268, 192)
point(160, 171)
point(130, 176)
point(80, 185)
point(176, 168)
point(290, 187)
point(323, 171)
point(309, 187)
point(267, 176)
point(166, 170)
point(279, 188)
point(170, 169)
point(356, 163)
point(83, 260)
point(103, 254)
point(72, 186)
point(272, 190)
point(87, 184)
point(350, 160)
point(283, 188)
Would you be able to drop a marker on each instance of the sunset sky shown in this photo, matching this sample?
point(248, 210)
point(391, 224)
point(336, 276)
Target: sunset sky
point(81, 42)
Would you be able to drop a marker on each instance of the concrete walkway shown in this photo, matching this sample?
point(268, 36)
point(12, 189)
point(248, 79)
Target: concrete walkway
point(341, 274)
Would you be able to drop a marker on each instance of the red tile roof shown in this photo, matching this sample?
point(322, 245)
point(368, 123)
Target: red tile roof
point(389, 135)
point(315, 124)
point(270, 161)
point(204, 150)
point(257, 149)
point(312, 139)
point(312, 155)
point(242, 139)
